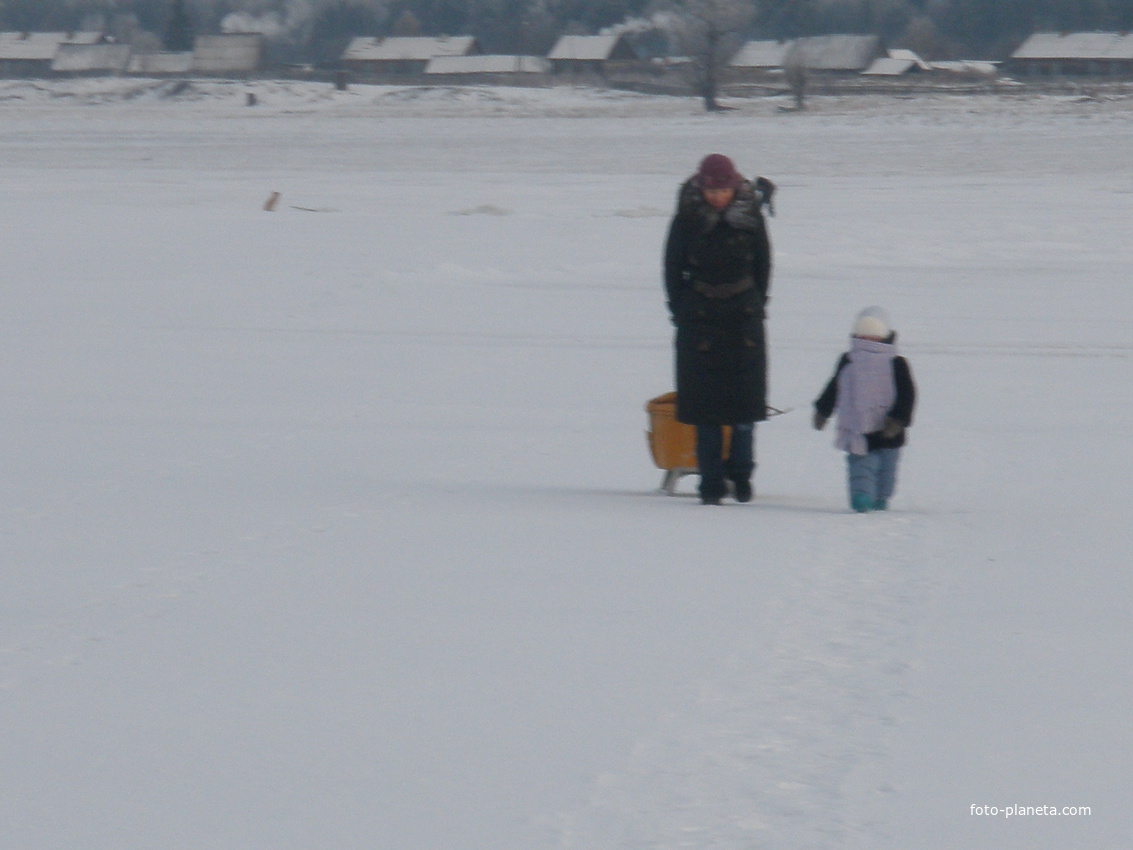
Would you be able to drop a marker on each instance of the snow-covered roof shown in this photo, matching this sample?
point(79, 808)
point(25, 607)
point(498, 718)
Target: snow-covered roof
point(839, 52)
point(979, 67)
point(910, 56)
point(1076, 45)
point(41, 46)
point(408, 48)
point(590, 48)
point(488, 65)
point(360, 47)
point(762, 54)
point(889, 67)
point(227, 53)
point(79, 58)
point(898, 62)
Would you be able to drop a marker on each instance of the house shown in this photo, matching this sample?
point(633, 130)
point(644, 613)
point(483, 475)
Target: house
point(31, 53)
point(1076, 53)
point(597, 54)
point(404, 54)
point(838, 54)
point(229, 53)
point(488, 68)
point(762, 56)
point(71, 58)
point(90, 52)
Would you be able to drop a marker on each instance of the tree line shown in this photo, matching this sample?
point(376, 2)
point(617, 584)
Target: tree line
point(316, 30)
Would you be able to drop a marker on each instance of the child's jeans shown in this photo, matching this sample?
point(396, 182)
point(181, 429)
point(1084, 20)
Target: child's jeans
point(872, 478)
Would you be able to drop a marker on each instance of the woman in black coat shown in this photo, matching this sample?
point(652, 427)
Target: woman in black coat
point(717, 271)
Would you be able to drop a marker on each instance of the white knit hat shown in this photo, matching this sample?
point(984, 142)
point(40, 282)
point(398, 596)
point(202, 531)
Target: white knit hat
point(871, 321)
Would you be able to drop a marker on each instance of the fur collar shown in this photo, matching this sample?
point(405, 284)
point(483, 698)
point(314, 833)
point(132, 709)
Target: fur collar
point(743, 213)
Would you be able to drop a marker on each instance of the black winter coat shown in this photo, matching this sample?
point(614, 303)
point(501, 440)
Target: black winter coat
point(717, 272)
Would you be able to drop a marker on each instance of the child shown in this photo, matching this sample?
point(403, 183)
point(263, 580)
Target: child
point(873, 391)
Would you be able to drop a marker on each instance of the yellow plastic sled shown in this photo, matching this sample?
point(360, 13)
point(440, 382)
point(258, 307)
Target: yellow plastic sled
point(673, 443)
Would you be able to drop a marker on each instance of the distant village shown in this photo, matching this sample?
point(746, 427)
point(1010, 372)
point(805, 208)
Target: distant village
point(608, 58)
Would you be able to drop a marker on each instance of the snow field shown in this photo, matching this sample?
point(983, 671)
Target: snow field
point(335, 526)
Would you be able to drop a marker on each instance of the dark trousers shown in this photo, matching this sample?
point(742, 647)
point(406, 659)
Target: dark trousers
point(710, 457)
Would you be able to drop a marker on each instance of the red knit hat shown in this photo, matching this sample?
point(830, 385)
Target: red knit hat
point(716, 172)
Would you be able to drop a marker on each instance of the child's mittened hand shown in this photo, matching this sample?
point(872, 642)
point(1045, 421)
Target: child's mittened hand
point(892, 428)
point(819, 421)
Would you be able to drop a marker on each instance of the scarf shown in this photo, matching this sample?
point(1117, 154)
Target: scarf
point(866, 392)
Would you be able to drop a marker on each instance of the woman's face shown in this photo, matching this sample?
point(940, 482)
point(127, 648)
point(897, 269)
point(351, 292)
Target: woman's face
point(718, 198)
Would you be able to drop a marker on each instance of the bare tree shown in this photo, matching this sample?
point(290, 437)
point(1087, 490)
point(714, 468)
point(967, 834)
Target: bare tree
point(710, 32)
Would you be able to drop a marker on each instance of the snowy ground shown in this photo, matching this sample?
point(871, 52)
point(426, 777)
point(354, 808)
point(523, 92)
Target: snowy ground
point(334, 526)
